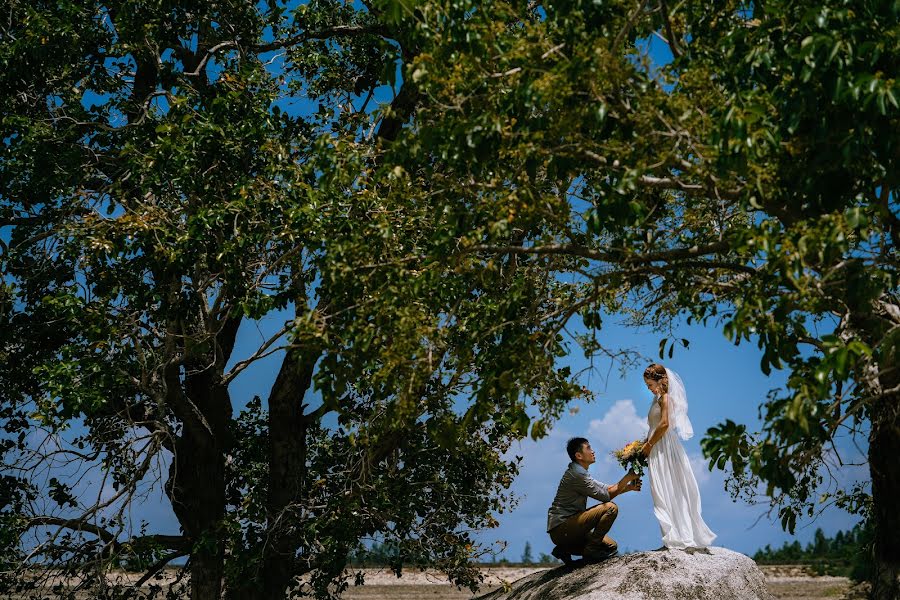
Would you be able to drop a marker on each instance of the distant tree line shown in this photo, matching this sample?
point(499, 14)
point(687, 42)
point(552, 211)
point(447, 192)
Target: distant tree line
point(389, 553)
point(848, 553)
point(543, 559)
point(381, 554)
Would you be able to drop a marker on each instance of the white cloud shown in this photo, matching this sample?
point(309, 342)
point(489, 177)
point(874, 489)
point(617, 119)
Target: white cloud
point(619, 426)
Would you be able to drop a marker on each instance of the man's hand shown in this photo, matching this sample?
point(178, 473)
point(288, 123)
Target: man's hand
point(628, 483)
point(636, 485)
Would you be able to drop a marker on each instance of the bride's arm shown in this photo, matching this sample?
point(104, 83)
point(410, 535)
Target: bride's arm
point(661, 427)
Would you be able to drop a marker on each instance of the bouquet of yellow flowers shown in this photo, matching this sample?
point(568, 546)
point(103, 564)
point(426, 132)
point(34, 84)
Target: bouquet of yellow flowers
point(631, 458)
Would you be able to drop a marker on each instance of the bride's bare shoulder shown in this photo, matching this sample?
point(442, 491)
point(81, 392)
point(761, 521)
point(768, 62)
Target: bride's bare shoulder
point(663, 399)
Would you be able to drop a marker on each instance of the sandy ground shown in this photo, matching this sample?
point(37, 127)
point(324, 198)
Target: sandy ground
point(785, 582)
point(429, 585)
point(795, 583)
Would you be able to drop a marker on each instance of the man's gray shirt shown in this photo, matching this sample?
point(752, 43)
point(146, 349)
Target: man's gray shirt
point(571, 496)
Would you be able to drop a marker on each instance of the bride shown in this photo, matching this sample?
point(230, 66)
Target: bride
point(676, 498)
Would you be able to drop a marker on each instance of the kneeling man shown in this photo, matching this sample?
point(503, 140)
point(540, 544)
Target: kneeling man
point(573, 527)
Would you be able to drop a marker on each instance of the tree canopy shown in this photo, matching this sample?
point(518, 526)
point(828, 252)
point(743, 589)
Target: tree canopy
point(847, 554)
point(537, 166)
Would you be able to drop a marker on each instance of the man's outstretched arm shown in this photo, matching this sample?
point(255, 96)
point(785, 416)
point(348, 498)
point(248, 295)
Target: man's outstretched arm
point(629, 483)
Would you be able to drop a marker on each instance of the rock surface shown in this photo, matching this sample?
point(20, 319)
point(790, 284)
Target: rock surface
point(711, 574)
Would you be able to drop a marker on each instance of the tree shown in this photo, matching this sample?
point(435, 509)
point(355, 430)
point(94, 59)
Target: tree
point(159, 195)
point(547, 560)
point(838, 544)
point(820, 544)
point(527, 559)
point(749, 183)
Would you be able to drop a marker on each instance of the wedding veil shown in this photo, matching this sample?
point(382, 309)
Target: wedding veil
point(678, 406)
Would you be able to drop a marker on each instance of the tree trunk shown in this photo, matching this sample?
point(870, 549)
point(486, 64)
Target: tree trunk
point(196, 485)
point(884, 448)
point(207, 571)
point(871, 322)
point(288, 424)
point(287, 470)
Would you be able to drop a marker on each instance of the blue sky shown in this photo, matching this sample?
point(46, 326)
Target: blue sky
point(723, 381)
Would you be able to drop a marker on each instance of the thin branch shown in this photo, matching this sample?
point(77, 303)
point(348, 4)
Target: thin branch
point(512, 71)
point(73, 524)
point(337, 30)
point(893, 222)
point(632, 19)
point(669, 183)
point(314, 415)
point(158, 566)
point(145, 110)
point(174, 542)
point(673, 43)
point(555, 48)
point(616, 257)
point(812, 342)
point(261, 353)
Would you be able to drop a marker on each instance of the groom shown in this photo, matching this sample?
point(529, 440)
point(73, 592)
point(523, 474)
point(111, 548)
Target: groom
point(574, 528)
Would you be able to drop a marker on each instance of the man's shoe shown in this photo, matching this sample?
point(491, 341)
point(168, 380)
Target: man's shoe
point(592, 559)
point(558, 552)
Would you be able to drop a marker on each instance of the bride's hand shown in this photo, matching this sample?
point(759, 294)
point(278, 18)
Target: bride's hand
point(645, 450)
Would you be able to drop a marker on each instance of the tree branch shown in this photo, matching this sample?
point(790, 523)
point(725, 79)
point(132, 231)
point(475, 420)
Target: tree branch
point(261, 352)
point(632, 19)
point(673, 44)
point(615, 257)
point(893, 222)
point(158, 565)
point(179, 545)
point(337, 30)
point(669, 183)
point(73, 524)
point(400, 109)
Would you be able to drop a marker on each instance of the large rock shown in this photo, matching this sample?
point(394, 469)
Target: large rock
point(713, 574)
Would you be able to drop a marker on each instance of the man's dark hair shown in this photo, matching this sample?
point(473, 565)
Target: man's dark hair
point(574, 445)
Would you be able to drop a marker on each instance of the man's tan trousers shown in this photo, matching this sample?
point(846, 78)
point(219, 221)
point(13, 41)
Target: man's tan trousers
point(584, 534)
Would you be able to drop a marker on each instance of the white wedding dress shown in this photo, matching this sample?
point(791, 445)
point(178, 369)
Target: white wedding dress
point(676, 497)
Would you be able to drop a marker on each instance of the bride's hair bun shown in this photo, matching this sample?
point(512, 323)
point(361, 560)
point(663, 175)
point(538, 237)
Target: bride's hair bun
point(657, 372)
